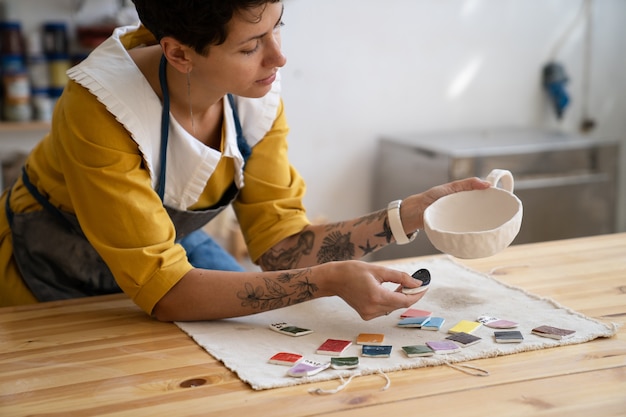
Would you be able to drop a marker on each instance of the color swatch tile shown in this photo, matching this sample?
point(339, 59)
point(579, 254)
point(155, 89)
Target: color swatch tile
point(508, 336)
point(344, 362)
point(496, 323)
point(464, 339)
point(416, 322)
point(333, 347)
point(552, 332)
point(290, 329)
point(370, 339)
point(465, 326)
point(285, 358)
point(443, 346)
point(307, 368)
point(376, 351)
point(413, 312)
point(434, 323)
point(415, 351)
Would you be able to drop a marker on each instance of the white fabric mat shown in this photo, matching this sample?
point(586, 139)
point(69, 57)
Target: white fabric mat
point(456, 293)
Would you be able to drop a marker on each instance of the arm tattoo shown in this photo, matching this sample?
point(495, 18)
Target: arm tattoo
point(287, 259)
point(291, 288)
point(371, 218)
point(386, 233)
point(336, 247)
point(367, 249)
point(331, 226)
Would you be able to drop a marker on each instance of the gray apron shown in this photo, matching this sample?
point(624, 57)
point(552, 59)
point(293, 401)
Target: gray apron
point(53, 255)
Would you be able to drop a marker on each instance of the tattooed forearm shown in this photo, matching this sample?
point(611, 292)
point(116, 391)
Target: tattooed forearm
point(339, 241)
point(336, 247)
point(290, 288)
point(372, 218)
point(386, 233)
point(367, 249)
point(332, 226)
point(288, 259)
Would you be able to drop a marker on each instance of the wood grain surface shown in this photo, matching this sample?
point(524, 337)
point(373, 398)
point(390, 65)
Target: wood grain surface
point(102, 356)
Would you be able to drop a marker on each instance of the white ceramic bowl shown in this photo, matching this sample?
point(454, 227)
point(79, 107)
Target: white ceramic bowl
point(475, 224)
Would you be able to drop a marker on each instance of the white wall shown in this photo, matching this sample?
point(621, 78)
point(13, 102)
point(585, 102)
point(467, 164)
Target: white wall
point(358, 69)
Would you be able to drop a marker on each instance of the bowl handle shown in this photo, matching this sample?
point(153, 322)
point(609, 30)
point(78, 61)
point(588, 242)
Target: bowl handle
point(502, 176)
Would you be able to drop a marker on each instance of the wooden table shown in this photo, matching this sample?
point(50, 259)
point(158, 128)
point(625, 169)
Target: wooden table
point(103, 356)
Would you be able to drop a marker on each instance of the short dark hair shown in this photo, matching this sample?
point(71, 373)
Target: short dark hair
point(196, 23)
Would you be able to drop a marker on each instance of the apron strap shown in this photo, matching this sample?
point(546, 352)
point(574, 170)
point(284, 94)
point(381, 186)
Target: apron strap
point(41, 200)
point(242, 144)
point(165, 126)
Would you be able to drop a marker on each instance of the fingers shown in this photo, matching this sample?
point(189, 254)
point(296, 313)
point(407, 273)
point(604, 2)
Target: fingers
point(467, 184)
point(413, 207)
point(364, 290)
point(395, 301)
point(390, 301)
point(398, 277)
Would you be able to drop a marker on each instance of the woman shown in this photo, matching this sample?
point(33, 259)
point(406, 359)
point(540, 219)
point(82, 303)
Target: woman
point(159, 129)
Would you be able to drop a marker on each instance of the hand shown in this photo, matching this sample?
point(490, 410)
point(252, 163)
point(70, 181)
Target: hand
point(360, 285)
point(413, 207)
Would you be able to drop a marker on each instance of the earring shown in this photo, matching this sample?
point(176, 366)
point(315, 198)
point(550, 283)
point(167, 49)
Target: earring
point(193, 126)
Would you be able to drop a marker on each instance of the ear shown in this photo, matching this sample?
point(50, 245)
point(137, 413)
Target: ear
point(178, 55)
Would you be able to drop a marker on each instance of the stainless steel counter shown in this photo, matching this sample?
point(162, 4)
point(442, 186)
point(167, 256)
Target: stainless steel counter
point(567, 183)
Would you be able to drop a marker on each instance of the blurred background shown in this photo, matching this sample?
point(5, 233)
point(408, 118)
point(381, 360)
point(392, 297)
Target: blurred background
point(363, 76)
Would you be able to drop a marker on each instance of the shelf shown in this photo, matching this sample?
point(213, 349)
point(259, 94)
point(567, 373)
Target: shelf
point(23, 126)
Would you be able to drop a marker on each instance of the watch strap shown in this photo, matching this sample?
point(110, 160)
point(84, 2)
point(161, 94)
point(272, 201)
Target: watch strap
point(395, 224)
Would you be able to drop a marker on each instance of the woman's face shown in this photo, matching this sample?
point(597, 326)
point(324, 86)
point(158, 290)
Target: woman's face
point(247, 62)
